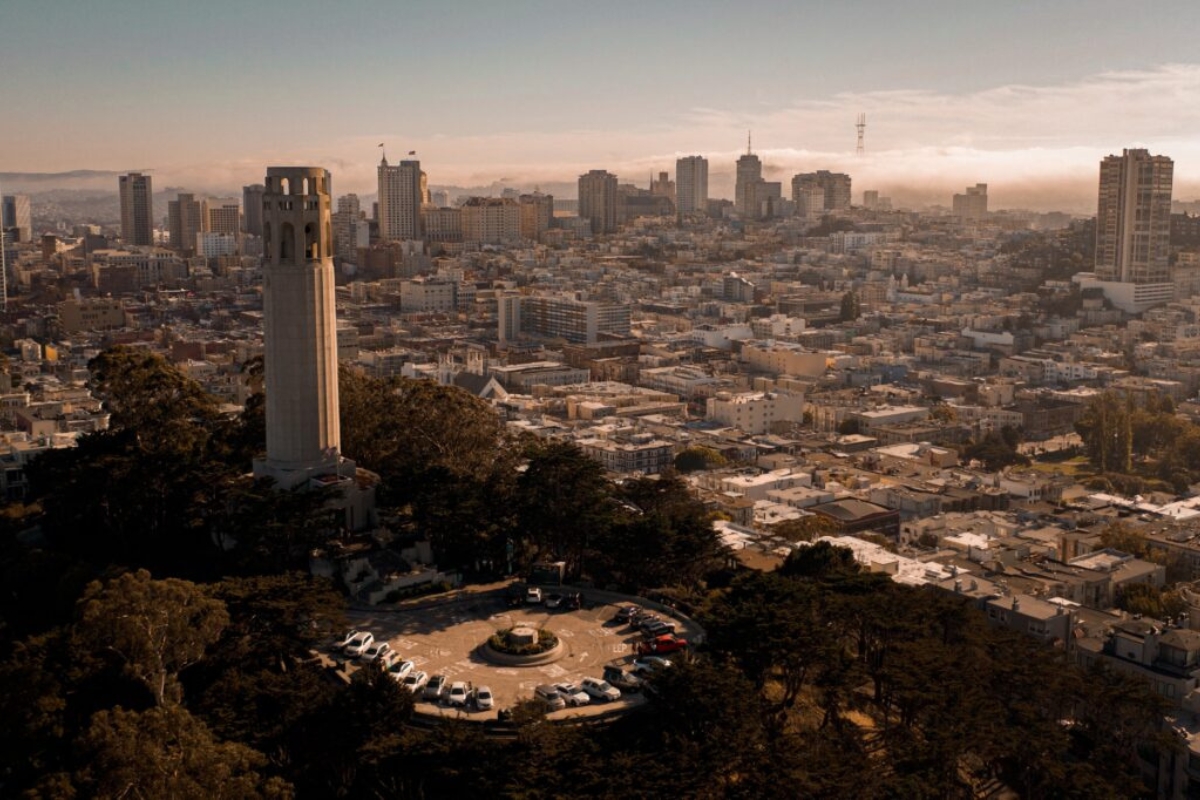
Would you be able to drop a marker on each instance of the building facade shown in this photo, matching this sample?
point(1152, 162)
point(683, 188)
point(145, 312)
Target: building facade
point(836, 186)
point(401, 195)
point(18, 216)
point(973, 203)
point(598, 200)
point(747, 189)
point(186, 217)
point(137, 209)
point(691, 185)
point(252, 209)
point(1133, 221)
point(491, 220)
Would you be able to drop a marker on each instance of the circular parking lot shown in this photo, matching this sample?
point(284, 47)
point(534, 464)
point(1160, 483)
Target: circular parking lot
point(442, 636)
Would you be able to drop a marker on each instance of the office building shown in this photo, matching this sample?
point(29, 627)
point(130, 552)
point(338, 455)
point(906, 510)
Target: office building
point(1133, 221)
point(598, 200)
point(137, 209)
point(973, 204)
point(748, 186)
point(186, 217)
point(663, 187)
point(561, 317)
point(350, 229)
point(691, 185)
point(18, 216)
point(252, 209)
point(402, 192)
point(836, 186)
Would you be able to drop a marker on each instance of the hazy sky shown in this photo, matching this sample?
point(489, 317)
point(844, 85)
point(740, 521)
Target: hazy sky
point(1025, 96)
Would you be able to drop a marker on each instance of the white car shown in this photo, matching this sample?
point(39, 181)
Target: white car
point(648, 664)
point(483, 699)
point(339, 644)
point(375, 651)
point(388, 659)
point(600, 690)
point(533, 595)
point(572, 694)
point(400, 669)
point(457, 696)
point(416, 681)
point(359, 644)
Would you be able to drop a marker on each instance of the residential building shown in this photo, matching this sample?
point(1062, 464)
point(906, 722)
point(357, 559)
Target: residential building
point(537, 212)
point(836, 186)
point(748, 186)
point(186, 217)
point(1133, 221)
point(691, 185)
point(561, 318)
point(252, 209)
point(225, 219)
point(755, 412)
point(137, 209)
point(598, 200)
point(490, 220)
point(350, 229)
point(973, 203)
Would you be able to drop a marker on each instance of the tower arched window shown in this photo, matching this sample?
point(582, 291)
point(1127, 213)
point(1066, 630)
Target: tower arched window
point(267, 242)
point(312, 247)
point(285, 186)
point(287, 241)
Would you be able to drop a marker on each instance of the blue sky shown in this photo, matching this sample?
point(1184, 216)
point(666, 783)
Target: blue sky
point(1025, 96)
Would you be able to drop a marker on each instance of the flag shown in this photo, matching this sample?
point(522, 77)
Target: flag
point(381, 144)
point(412, 152)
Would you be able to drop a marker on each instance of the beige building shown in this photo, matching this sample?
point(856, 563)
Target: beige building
point(835, 184)
point(442, 224)
point(94, 314)
point(491, 220)
point(598, 200)
point(186, 217)
point(401, 195)
point(537, 212)
point(748, 187)
point(1133, 222)
point(972, 204)
point(137, 209)
point(225, 219)
point(755, 412)
point(691, 185)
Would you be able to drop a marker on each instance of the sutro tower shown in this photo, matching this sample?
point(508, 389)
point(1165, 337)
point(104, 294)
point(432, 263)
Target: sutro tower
point(861, 124)
point(300, 329)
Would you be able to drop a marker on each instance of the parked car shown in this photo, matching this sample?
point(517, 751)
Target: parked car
point(600, 690)
point(400, 669)
point(388, 659)
point(457, 696)
point(625, 613)
point(572, 694)
point(658, 628)
point(415, 681)
point(554, 600)
point(435, 687)
point(533, 595)
point(550, 696)
point(377, 650)
point(646, 665)
point(573, 601)
point(661, 646)
point(359, 644)
point(625, 681)
point(339, 645)
point(483, 699)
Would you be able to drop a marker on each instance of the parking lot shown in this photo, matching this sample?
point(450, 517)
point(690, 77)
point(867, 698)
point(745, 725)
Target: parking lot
point(442, 638)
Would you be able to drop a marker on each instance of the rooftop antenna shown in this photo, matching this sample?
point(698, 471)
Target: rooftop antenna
point(748, 150)
point(862, 129)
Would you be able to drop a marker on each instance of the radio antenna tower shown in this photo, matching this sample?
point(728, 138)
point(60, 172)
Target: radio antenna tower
point(862, 129)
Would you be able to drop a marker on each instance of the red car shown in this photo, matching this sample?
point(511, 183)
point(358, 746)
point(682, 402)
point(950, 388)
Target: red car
point(667, 643)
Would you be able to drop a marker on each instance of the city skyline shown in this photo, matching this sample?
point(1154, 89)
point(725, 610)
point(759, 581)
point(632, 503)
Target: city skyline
point(1026, 101)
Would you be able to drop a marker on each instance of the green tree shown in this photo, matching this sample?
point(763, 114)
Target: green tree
point(694, 459)
point(150, 629)
point(165, 752)
point(1106, 430)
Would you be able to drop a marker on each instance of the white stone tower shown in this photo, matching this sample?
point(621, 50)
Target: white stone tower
point(300, 337)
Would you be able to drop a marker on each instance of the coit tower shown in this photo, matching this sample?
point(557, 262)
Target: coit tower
point(300, 327)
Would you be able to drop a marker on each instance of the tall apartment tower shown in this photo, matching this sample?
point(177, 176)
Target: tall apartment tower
point(402, 190)
point(973, 204)
point(18, 216)
point(186, 217)
point(746, 200)
point(350, 229)
point(300, 328)
point(137, 209)
point(252, 209)
point(226, 220)
point(537, 212)
point(691, 185)
point(1133, 222)
point(598, 200)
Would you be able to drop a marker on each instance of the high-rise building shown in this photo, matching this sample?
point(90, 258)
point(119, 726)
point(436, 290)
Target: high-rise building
point(1133, 222)
point(691, 185)
point(747, 189)
point(225, 219)
point(561, 317)
point(137, 209)
point(598, 200)
point(350, 229)
point(871, 200)
point(402, 192)
point(300, 328)
point(835, 184)
point(252, 209)
point(186, 217)
point(810, 202)
point(537, 212)
point(973, 204)
point(17, 216)
point(663, 187)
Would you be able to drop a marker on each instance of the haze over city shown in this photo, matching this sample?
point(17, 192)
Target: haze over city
point(536, 93)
